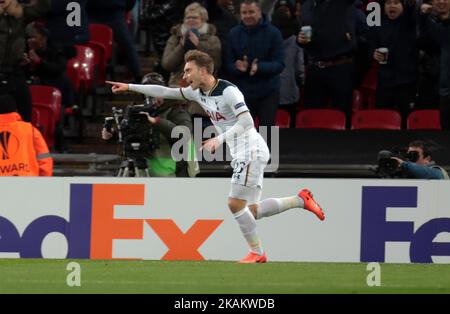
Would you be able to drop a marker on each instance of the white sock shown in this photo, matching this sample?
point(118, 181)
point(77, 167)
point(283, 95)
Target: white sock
point(273, 206)
point(247, 223)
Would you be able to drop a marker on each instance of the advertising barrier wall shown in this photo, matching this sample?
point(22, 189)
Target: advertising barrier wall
point(187, 219)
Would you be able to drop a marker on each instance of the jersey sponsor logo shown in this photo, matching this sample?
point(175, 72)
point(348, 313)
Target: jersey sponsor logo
point(215, 116)
point(239, 105)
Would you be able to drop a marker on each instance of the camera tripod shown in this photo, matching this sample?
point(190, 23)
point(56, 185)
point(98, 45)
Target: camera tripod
point(133, 167)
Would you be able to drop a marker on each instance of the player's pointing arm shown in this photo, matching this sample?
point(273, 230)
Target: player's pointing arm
point(148, 90)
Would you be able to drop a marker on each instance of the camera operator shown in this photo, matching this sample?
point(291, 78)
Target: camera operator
point(166, 115)
point(423, 167)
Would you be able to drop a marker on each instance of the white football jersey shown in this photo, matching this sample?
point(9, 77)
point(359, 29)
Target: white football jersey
point(223, 103)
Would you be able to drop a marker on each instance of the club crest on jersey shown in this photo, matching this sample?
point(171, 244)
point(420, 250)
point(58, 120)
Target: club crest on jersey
point(215, 116)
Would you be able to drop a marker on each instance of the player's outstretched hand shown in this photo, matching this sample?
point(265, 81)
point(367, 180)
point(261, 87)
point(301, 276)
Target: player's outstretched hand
point(210, 145)
point(118, 87)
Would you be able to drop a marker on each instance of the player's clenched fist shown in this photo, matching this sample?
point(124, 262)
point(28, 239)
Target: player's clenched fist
point(118, 87)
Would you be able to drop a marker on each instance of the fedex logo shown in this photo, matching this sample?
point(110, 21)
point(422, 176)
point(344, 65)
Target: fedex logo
point(376, 231)
point(92, 228)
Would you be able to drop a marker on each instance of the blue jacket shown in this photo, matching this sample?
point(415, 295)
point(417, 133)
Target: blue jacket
point(263, 42)
point(432, 171)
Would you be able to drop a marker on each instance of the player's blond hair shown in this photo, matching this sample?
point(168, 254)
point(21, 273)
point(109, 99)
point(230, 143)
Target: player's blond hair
point(201, 59)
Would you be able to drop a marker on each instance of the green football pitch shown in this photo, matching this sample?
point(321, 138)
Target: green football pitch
point(174, 277)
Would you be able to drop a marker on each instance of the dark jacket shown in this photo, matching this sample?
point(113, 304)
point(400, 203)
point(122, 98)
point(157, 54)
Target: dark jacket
point(63, 34)
point(222, 19)
point(161, 163)
point(263, 42)
point(53, 64)
point(105, 8)
point(159, 16)
point(439, 31)
point(333, 28)
point(12, 32)
point(400, 37)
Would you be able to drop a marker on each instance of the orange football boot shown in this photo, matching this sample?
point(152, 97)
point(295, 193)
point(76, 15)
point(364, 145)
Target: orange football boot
point(311, 204)
point(252, 257)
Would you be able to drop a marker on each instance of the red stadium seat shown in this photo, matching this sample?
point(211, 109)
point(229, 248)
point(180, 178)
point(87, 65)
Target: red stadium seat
point(320, 119)
point(370, 80)
point(46, 102)
point(256, 122)
point(36, 119)
point(376, 119)
point(424, 120)
point(99, 61)
point(103, 35)
point(358, 101)
point(282, 119)
point(369, 85)
point(80, 70)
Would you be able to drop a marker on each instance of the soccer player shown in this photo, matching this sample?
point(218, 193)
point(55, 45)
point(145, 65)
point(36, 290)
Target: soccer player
point(225, 105)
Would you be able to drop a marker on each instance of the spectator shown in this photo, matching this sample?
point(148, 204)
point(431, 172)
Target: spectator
point(47, 66)
point(423, 167)
point(24, 151)
point(436, 26)
point(293, 75)
point(397, 76)
point(222, 18)
point(363, 60)
point(330, 51)
point(13, 19)
point(255, 60)
point(159, 17)
point(135, 18)
point(112, 13)
point(429, 71)
point(194, 33)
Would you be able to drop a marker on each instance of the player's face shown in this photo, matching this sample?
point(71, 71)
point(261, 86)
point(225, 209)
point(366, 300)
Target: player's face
point(192, 75)
point(250, 14)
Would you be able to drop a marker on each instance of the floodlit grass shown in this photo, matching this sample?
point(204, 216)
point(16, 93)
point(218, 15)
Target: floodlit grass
point(174, 277)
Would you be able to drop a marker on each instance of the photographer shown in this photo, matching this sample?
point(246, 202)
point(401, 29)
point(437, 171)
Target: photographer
point(420, 165)
point(165, 115)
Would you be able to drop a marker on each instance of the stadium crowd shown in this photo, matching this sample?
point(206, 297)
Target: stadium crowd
point(262, 46)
